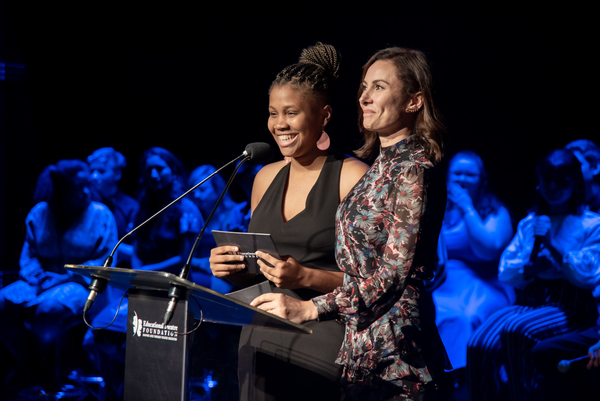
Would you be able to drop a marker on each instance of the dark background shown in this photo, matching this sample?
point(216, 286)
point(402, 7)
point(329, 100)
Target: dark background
point(512, 82)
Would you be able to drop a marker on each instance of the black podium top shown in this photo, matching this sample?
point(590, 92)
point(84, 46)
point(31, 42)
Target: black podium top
point(215, 307)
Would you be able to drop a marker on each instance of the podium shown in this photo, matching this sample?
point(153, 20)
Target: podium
point(156, 356)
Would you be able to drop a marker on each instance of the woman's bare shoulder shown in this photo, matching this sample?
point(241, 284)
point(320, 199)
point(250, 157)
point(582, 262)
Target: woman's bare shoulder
point(352, 171)
point(263, 180)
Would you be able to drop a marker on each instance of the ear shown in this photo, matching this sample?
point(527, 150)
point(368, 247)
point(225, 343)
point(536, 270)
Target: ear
point(326, 112)
point(415, 102)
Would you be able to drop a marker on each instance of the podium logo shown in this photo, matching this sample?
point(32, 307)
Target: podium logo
point(137, 325)
point(144, 328)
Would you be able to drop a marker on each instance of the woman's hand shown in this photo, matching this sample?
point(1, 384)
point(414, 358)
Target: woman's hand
point(541, 226)
point(460, 197)
point(286, 307)
point(33, 276)
point(594, 354)
point(51, 279)
point(224, 261)
point(286, 273)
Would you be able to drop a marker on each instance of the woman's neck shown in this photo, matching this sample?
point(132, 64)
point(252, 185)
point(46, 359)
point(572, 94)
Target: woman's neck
point(309, 163)
point(559, 210)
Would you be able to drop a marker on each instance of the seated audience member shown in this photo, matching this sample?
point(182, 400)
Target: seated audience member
point(553, 260)
point(576, 382)
point(579, 379)
point(477, 227)
point(229, 216)
point(162, 244)
point(165, 243)
point(64, 227)
point(106, 167)
point(588, 154)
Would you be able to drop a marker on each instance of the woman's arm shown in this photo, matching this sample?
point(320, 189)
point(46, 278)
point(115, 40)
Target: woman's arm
point(362, 300)
point(290, 274)
point(582, 266)
point(352, 171)
point(488, 237)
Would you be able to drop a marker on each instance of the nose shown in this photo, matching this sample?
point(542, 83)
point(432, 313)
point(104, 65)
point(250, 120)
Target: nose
point(154, 173)
point(95, 175)
point(281, 123)
point(365, 97)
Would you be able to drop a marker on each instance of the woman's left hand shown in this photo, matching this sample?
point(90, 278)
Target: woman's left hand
point(594, 354)
point(52, 279)
point(286, 273)
point(286, 307)
point(460, 197)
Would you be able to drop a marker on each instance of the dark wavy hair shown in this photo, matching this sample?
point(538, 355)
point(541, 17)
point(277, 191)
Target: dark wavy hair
point(315, 73)
point(412, 68)
point(561, 162)
point(149, 199)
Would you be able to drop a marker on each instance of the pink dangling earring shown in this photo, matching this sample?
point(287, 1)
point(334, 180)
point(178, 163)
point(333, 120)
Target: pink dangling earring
point(324, 141)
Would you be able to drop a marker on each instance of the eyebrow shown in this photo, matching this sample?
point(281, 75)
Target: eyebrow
point(378, 80)
point(286, 107)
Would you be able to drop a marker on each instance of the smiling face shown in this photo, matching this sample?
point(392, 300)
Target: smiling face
point(383, 103)
point(556, 190)
point(296, 120)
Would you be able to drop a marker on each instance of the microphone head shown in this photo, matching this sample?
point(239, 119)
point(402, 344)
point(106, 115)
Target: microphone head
point(564, 366)
point(259, 152)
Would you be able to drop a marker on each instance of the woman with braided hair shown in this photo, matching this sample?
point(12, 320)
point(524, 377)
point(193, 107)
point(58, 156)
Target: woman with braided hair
point(387, 229)
point(295, 201)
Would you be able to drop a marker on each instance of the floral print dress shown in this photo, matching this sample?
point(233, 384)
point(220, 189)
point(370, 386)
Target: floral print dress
point(387, 229)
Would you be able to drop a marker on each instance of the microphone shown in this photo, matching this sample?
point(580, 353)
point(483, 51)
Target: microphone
point(528, 269)
point(97, 285)
point(258, 152)
point(565, 365)
point(538, 240)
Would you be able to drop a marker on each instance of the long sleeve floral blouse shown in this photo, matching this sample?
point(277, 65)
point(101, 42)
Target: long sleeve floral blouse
point(387, 224)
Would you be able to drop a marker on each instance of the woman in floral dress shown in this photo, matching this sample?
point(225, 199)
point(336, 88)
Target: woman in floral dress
point(387, 229)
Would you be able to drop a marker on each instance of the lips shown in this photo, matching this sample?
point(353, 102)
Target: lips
point(367, 112)
point(286, 139)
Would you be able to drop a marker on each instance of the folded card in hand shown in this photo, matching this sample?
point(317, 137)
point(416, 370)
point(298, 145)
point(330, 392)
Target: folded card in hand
point(248, 244)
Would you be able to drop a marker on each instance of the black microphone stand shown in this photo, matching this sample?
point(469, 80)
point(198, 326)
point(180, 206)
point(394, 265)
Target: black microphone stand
point(177, 292)
point(98, 284)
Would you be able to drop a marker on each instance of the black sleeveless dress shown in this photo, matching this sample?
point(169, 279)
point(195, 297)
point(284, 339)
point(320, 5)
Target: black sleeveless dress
point(277, 365)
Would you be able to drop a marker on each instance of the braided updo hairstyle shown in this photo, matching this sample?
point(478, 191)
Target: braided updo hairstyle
point(315, 73)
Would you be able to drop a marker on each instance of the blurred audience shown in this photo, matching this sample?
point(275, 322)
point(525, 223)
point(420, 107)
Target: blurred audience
point(476, 229)
point(106, 167)
point(229, 216)
point(162, 244)
point(588, 154)
point(64, 227)
point(554, 261)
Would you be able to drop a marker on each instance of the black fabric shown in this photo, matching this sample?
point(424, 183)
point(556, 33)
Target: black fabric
point(276, 365)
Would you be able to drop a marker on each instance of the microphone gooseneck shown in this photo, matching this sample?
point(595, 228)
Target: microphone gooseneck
point(259, 152)
point(256, 151)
